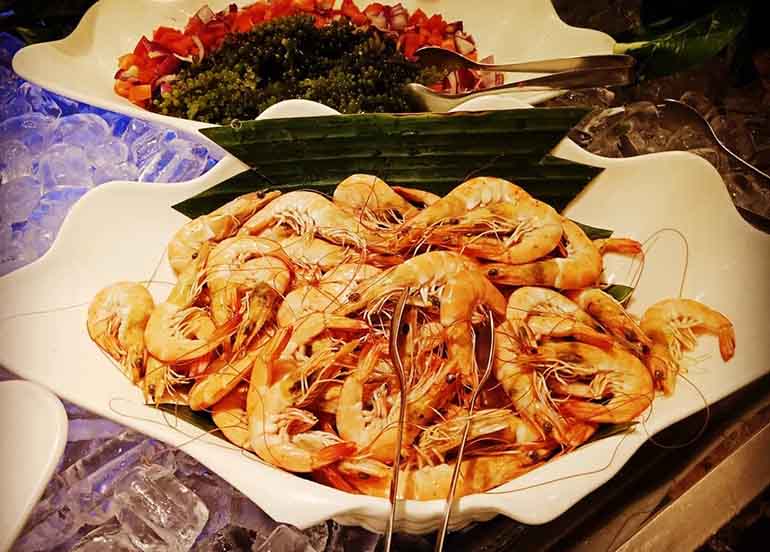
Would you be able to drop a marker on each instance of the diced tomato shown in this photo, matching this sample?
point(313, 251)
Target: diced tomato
point(127, 60)
point(410, 42)
point(194, 26)
point(279, 8)
point(351, 11)
point(122, 88)
point(140, 93)
point(243, 23)
point(305, 5)
point(142, 47)
point(257, 12)
point(165, 35)
point(167, 65)
point(448, 43)
point(436, 24)
point(436, 38)
point(418, 18)
point(183, 46)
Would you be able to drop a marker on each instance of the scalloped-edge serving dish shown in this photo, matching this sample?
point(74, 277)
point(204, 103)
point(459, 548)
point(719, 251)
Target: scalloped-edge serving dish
point(81, 66)
point(119, 231)
point(33, 430)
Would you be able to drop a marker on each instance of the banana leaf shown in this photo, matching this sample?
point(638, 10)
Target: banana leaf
point(199, 418)
point(663, 52)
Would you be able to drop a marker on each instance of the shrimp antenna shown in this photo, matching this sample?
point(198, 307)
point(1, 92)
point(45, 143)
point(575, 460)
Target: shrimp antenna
point(395, 334)
point(484, 349)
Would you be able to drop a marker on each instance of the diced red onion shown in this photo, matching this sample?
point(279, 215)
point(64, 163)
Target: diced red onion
point(118, 74)
point(156, 54)
point(188, 59)
point(205, 14)
point(464, 43)
point(378, 20)
point(166, 78)
point(451, 80)
point(399, 17)
point(165, 88)
point(201, 49)
point(131, 72)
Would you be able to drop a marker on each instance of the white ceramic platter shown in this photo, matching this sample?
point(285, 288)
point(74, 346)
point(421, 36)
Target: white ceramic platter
point(33, 430)
point(119, 231)
point(82, 65)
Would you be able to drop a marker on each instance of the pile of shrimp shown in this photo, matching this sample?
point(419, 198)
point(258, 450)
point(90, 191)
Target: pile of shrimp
point(279, 326)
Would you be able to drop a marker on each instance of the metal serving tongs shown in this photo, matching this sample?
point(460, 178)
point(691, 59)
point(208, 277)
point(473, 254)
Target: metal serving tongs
point(484, 352)
point(395, 356)
point(567, 74)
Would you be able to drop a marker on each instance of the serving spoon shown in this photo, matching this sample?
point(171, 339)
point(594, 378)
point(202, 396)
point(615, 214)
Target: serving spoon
point(682, 114)
point(433, 56)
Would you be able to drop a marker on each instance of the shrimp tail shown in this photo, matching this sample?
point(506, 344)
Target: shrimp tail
point(335, 452)
point(331, 476)
point(727, 342)
point(617, 410)
point(624, 246)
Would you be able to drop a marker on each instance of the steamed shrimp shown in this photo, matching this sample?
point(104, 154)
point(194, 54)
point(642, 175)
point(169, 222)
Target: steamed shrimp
point(308, 214)
point(581, 267)
point(550, 314)
point(117, 317)
point(215, 226)
point(584, 374)
point(671, 324)
point(372, 201)
point(613, 317)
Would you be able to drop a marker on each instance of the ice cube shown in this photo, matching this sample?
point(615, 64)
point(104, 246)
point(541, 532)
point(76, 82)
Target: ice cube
point(135, 129)
point(157, 167)
point(179, 161)
point(171, 510)
point(283, 539)
point(14, 107)
point(15, 159)
point(82, 494)
point(33, 129)
point(81, 129)
point(110, 152)
point(122, 171)
point(6, 236)
point(106, 538)
point(229, 539)
point(18, 198)
point(63, 166)
point(67, 106)
point(89, 429)
point(40, 100)
point(146, 146)
point(216, 493)
point(140, 534)
point(38, 239)
point(347, 538)
point(318, 536)
point(118, 123)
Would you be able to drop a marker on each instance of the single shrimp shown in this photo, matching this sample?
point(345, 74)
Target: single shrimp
point(279, 427)
point(333, 290)
point(477, 474)
point(222, 376)
point(461, 296)
point(424, 274)
point(672, 324)
point(308, 214)
point(527, 389)
point(581, 267)
point(244, 265)
point(584, 373)
point(613, 317)
point(476, 192)
point(159, 380)
point(310, 327)
point(511, 233)
point(229, 415)
point(215, 226)
point(177, 331)
point(376, 431)
point(372, 201)
point(550, 314)
point(439, 439)
point(117, 317)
